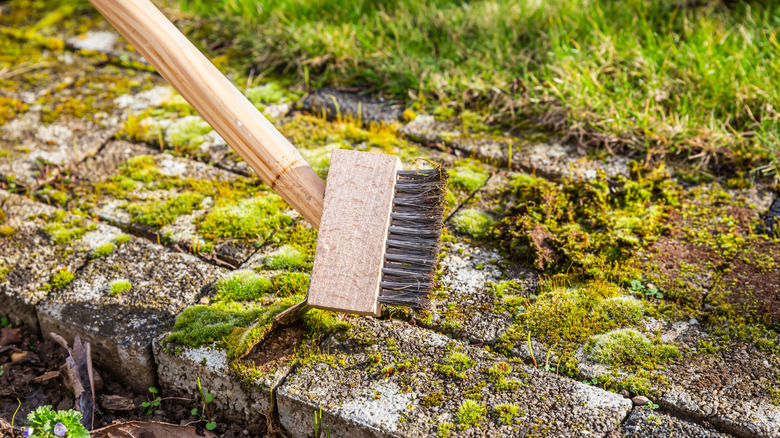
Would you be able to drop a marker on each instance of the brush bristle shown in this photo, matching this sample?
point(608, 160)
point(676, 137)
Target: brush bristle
point(413, 238)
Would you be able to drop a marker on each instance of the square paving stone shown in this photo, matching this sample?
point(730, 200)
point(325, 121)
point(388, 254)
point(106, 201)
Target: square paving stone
point(121, 324)
point(30, 256)
point(389, 378)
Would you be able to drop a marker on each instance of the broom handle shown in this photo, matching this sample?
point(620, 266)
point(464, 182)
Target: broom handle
point(242, 126)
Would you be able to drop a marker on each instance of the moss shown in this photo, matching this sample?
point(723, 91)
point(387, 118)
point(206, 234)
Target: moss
point(433, 399)
point(6, 231)
point(454, 365)
point(102, 250)
point(9, 108)
point(622, 310)
point(475, 392)
point(186, 133)
point(627, 347)
point(157, 214)
point(202, 325)
point(62, 278)
point(241, 285)
point(65, 232)
point(254, 218)
point(119, 286)
point(265, 94)
point(286, 257)
point(473, 222)
point(468, 176)
point(3, 272)
point(290, 283)
point(470, 413)
point(124, 238)
point(443, 429)
point(141, 168)
point(505, 413)
point(408, 115)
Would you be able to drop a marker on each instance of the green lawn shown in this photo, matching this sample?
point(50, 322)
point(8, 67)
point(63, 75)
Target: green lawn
point(702, 81)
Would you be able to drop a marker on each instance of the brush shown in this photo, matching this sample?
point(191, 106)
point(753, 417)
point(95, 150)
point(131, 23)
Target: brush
point(379, 226)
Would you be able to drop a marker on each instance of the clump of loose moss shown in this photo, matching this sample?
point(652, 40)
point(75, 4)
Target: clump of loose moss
point(121, 239)
point(473, 222)
point(103, 249)
point(271, 92)
point(202, 325)
point(286, 257)
point(470, 413)
point(433, 399)
point(3, 272)
point(119, 286)
point(241, 285)
point(627, 347)
point(6, 231)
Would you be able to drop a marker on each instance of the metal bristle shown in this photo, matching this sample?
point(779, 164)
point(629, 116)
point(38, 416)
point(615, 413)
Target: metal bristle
point(413, 238)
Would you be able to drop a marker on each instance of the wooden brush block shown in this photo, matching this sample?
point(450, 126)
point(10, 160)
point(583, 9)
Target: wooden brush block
point(353, 232)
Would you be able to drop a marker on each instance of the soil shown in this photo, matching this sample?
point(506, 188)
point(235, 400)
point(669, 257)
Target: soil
point(34, 380)
point(279, 345)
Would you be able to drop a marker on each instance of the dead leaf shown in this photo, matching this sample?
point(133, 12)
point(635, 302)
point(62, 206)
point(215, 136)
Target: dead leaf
point(78, 376)
point(45, 377)
point(116, 403)
point(7, 348)
point(10, 336)
point(143, 429)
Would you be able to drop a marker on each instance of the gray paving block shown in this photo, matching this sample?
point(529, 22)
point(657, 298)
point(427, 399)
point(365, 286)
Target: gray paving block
point(179, 367)
point(644, 423)
point(379, 379)
point(121, 326)
point(30, 256)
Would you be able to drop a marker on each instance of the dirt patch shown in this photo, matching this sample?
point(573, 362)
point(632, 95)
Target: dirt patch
point(753, 279)
point(278, 345)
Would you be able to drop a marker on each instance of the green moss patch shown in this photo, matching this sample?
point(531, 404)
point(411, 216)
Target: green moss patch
point(102, 250)
point(454, 365)
point(64, 232)
point(505, 413)
point(62, 278)
point(254, 218)
point(241, 285)
point(473, 222)
point(470, 413)
point(286, 257)
point(157, 214)
point(468, 176)
point(627, 347)
point(119, 286)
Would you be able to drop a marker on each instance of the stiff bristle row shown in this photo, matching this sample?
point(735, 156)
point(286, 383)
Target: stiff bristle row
point(413, 238)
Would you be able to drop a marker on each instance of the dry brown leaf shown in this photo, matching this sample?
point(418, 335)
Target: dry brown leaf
point(116, 403)
point(45, 377)
point(10, 336)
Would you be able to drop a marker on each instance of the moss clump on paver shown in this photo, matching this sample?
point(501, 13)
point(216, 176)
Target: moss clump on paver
point(62, 278)
point(586, 227)
point(469, 414)
point(286, 257)
point(141, 168)
point(623, 310)
point(241, 285)
point(433, 399)
point(186, 133)
point(505, 413)
point(627, 347)
point(3, 272)
point(9, 108)
point(253, 218)
point(443, 429)
point(202, 325)
point(103, 249)
point(157, 214)
point(121, 239)
point(468, 176)
point(497, 375)
point(119, 286)
point(264, 94)
point(290, 283)
point(62, 232)
point(473, 222)
point(6, 231)
point(454, 365)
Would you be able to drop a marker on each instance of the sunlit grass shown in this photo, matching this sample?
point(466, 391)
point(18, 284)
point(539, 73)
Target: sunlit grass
point(700, 80)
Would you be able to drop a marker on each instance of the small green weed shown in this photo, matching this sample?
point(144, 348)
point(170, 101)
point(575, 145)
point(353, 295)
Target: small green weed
point(45, 423)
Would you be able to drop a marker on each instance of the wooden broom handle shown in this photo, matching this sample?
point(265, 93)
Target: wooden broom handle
point(242, 126)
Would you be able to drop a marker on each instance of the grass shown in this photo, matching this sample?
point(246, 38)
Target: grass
point(658, 78)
